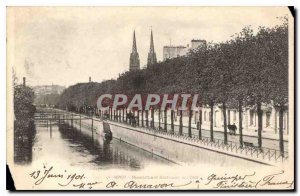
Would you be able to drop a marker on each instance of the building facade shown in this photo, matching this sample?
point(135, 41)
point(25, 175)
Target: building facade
point(170, 52)
point(196, 43)
point(270, 119)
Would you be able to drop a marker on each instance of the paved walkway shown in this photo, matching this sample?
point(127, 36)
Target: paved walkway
point(268, 141)
point(271, 143)
point(231, 149)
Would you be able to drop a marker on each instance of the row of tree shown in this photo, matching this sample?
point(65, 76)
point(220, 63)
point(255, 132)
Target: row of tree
point(24, 129)
point(248, 70)
point(23, 103)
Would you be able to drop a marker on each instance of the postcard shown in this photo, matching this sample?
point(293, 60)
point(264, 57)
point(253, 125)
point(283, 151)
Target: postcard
point(150, 98)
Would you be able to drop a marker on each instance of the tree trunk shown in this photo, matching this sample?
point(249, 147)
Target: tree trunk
point(228, 116)
point(180, 122)
point(147, 119)
point(138, 118)
point(172, 121)
point(200, 124)
point(142, 117)
point(165, 121)
point(190, 122)
point(159, 111)
point(126, 115)
point(241, 123)
point(111, 114)
point(281, 146)
point(152, 118)
point(259, 131)
point(211, 121)
point(225, 123)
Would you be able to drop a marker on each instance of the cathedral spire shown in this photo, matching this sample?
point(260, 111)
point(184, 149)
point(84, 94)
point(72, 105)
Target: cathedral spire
point(151, 43)
point(134, 61)
point(151, 55)
point(134, 49)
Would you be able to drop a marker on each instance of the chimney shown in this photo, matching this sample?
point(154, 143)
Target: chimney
point(90, 79)
point(24, 81)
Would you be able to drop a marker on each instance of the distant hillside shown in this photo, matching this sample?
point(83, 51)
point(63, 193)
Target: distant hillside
point(47, 94)
point(48, 89)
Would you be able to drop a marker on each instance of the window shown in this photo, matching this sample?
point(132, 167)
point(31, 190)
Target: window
point(205, 116)
point(268, 117)
point(251, 117)
point(234, 116)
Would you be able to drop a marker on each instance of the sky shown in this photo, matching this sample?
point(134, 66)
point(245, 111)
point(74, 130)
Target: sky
point(66, 45)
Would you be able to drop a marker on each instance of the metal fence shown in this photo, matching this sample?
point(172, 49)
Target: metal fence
point(233, 147)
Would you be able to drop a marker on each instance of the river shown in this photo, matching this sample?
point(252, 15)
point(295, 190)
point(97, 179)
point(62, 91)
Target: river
point(78, 148)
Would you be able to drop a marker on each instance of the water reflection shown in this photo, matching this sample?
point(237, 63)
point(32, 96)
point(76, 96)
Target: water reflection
point(24, 137)
point(107, 154)
point(56, 142)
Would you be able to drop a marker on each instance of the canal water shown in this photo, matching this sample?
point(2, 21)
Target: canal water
point(79, 148)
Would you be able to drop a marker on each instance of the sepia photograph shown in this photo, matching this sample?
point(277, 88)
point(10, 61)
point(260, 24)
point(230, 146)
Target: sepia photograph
point(150, 98)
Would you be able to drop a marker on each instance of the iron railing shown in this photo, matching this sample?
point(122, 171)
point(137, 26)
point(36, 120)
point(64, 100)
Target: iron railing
point(216, 143)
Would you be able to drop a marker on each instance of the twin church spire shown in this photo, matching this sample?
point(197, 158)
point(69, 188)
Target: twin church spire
point(134, 62)
point(151, 55)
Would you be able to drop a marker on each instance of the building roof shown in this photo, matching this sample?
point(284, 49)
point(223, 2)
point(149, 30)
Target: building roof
point(198, 40)
point(174, 46)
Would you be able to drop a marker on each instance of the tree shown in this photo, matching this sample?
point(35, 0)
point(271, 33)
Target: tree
point(247, 71)
point(276, 70)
